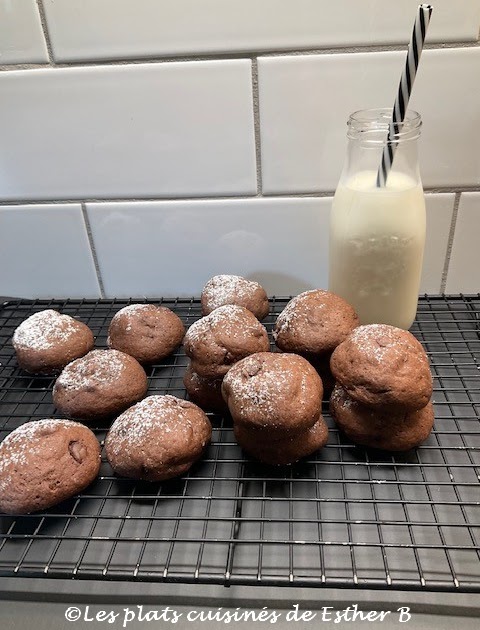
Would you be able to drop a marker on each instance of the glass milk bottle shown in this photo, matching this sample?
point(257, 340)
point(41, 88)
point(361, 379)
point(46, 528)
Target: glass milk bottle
point(377, 234)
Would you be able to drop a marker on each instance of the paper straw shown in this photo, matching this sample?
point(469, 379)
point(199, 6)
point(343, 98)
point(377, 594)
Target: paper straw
point(415, 48)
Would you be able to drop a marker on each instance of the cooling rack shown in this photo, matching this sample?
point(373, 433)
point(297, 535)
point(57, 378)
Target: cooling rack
point(345, 517)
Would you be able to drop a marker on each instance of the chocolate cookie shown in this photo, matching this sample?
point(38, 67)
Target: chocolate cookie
point(146, 332)
point(223, 289)
point(158, 438)
point(99, 385)
point(376, 428)
point(204, 392)
point(217, 341)
point(285, 451)
point(315, 322)
point(383, 367)
point(45, 462)
point(46, 341)
point(274, 393)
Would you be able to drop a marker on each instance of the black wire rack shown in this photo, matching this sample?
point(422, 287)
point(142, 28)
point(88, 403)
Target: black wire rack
point(345, 517)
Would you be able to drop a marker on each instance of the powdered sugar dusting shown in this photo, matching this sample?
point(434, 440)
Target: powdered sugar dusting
point(127, 313)
point(199, 381)
point(44, 330)
point(19, 445)
point(293, 314)
point(196, 379)
point(227, 289)
point(231, 317)
point(340, 398)
point(152, 414)
point(379, 340)
point(98, 366)
point(303, 384)
point(256, 383)
point(133, 308)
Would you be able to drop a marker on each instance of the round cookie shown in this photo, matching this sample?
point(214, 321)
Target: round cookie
point(383, 367)
point(224, 289)
point(315, 322)
point(45, 462)
point(158, 438)
point(204, 392)
point(375, 428)
point(217, 341)
point(99, 385)
point(47, 341)
point(146, 332)
point(286, 451)
point(274, 393)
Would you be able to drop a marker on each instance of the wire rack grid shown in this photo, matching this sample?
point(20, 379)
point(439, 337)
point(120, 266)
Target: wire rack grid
point(344, 517)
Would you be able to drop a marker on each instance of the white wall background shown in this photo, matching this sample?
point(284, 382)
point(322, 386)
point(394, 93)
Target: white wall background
point(146, 145)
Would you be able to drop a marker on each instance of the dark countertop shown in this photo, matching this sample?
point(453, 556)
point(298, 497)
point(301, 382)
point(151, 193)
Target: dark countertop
point(449, 331)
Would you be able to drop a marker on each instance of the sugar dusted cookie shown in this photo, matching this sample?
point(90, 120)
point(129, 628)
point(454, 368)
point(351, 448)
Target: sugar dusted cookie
point(381, 366)
point(99, 385)
point(204, 392)
point(158, 438)
point(276, 393)
point(285, 451)
point(314, 322)
point(215, 342)
point(377, 428)
point(228, 289)
point(47, 341)
point(146, 332)
point(45, 462)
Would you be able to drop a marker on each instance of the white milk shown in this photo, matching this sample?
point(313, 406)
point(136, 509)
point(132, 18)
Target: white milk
point(377, 237)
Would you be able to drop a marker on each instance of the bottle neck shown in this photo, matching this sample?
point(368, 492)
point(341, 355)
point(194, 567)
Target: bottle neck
point(365, 156)
point(367, 134)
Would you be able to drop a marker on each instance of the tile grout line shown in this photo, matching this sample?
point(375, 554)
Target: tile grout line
point(219, 56)
point(256, 126)
point(93, 250)
point(46, 34)
point(359, 48)
point(451, 237)
point(270, 196)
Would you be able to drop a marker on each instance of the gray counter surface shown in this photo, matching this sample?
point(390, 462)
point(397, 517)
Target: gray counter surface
point(43, 603)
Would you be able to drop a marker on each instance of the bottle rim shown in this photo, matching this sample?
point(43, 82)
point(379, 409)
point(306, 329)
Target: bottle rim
point(371, 125)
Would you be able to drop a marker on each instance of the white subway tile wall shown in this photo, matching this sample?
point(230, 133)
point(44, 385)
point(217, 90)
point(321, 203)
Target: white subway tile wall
point(174, 247)
point(21, 34)
point(305, 102)
point(176, 129)
point(186, 168)
point(120, 29)
point(45, 252)
point(439, 222)
point(464, 264)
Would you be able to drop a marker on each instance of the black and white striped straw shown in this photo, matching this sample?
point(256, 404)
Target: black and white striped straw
point(404, 89)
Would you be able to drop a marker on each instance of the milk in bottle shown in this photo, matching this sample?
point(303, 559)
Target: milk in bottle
point(377, 234)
